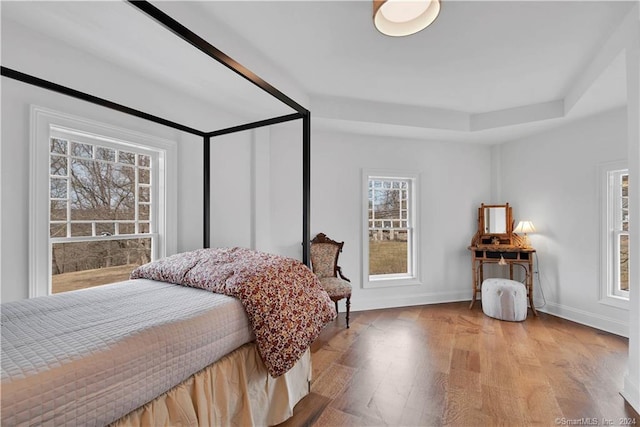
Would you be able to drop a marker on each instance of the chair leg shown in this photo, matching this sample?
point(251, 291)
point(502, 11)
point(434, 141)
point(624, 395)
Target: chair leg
point(336, 303)
point(348, 309)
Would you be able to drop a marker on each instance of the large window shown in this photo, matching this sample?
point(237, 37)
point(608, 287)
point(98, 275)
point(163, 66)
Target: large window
point(102, 215)
point(615, 234)
point(101, 200)
point(390, 237)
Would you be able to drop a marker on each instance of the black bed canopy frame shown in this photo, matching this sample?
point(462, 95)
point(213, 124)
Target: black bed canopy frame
point(205, 47)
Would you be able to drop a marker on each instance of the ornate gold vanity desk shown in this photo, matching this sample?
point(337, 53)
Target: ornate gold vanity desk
point(496, 243)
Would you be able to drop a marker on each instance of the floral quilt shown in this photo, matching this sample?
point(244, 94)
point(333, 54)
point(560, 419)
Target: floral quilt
point(283, 299)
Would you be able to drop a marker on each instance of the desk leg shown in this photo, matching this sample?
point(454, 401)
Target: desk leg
point(530, 286)
point(474, 285)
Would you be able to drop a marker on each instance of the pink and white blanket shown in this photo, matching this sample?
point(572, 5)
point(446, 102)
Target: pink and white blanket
point(283, 299)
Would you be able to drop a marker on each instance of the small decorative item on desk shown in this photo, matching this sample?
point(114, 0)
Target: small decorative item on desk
point(525, 227)
point(495, 241)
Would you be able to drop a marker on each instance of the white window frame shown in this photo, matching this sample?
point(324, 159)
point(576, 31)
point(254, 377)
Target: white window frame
point(43, 123)
point(609, 174)
point(392, 280)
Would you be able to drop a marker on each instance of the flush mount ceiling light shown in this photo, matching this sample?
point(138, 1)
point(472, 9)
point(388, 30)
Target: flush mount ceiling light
point(404, 17)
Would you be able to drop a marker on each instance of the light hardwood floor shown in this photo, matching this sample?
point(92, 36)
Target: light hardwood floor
point(447, 365)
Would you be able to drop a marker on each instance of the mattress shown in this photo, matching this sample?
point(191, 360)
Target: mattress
point(89, 357)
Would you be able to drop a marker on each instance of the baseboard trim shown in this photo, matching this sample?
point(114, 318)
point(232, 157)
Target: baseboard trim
point(603, 323)
point(583, 317)
point(631, 393)
point(408, 300)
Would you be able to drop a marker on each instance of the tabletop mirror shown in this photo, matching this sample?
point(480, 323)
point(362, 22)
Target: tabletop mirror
point(495, 225)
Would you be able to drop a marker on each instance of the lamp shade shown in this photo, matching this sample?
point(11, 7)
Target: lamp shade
point(404, 17)
point(525, 227)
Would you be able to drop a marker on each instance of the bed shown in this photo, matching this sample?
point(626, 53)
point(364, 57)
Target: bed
point(79, 358)
point(207, 337)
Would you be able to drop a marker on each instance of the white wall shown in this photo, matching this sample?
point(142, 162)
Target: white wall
point(286, 189)
point(455, 179)
point(552, 179)
point(256, 190)
point(231, 190)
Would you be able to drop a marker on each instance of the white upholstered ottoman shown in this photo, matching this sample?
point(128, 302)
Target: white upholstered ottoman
point(504, 299)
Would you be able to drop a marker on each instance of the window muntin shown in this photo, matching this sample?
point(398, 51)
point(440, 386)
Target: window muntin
point(389, 240)
point(102, 219)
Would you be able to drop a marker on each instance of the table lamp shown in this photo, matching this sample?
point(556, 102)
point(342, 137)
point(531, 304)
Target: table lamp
point(525, 227)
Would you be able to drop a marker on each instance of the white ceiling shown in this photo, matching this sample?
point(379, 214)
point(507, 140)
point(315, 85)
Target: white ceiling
point(480, 58)
point(485, 71)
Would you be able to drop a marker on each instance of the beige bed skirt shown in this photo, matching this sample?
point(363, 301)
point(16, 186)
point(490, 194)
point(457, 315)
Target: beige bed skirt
point(234, 391)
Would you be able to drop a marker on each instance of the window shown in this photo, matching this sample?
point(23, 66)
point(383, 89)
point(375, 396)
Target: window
point(99, 202)
point(102, 198)
point(615, 235)
point(390, 235)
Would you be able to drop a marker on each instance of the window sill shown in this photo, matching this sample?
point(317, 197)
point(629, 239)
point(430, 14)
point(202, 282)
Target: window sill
point(615, 301)
point(390, 282)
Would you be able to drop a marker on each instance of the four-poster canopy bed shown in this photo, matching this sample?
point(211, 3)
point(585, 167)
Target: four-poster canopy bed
point(242, 357)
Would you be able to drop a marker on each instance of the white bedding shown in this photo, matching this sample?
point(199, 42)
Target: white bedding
point(89, 357)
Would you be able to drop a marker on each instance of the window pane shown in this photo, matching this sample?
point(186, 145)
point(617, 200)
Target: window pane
point(107, 154)
point(101, 190)
point(387, 204)
point(143, 176)
point(85, 264)
point(58, 230)
point(58, 210)
point(58, 146)
point(58, 166)
point(624, 263)
point(144, 160)
point(127, 228)
point(105, 229)
point(144, 194)
point(82, 150)
point(143, 212)
point(126, 157)
point(87, 191)
point(387, 256)
point(82, 229)
point(58, 188)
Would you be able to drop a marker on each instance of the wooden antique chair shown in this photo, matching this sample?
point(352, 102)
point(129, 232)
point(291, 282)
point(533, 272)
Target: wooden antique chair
point(324, 262)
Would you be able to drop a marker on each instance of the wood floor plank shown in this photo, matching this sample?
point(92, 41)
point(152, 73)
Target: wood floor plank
point(446, 365)
point(332, 381)
point(332, 417)
point(307, 411)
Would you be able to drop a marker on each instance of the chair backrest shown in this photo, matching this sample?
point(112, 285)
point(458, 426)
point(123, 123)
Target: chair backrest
point(324, 256)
